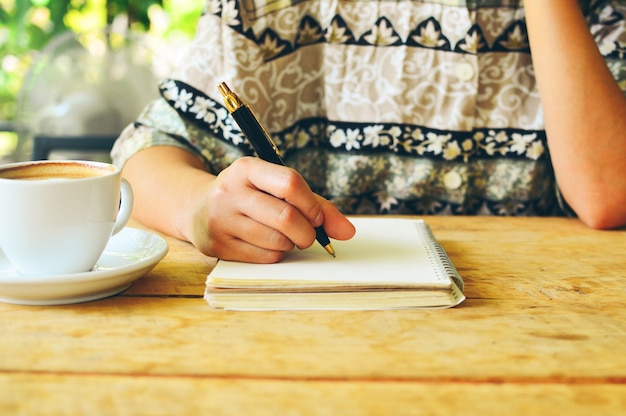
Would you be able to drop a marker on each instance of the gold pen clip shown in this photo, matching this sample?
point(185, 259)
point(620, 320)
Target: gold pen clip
point(231, 100)
point(234, 103)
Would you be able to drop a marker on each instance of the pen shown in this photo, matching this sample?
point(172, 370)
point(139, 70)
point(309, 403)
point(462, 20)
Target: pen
point(262, 143)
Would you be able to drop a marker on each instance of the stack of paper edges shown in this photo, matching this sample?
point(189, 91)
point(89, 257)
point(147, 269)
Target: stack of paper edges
point(390, 263)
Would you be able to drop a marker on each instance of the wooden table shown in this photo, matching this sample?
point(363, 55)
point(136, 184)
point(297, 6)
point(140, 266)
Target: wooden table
point(543, 331)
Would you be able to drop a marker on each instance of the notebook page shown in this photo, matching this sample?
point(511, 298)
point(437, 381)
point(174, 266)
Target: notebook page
point(383, 251)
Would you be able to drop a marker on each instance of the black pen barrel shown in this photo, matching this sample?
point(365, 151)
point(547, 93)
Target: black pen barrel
point(262, 144)
point(252, 129)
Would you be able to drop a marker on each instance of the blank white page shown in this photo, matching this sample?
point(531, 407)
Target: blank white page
point(384, 251)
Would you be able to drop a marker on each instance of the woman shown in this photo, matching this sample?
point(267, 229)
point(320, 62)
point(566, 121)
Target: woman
point(416, 107)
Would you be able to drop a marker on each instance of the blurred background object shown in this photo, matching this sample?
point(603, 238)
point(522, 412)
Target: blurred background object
point(82, 70)
point(82, 87)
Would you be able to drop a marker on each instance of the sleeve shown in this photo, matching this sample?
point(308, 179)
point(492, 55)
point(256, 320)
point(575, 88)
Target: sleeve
point(608, 27)
point(161, 125)
point(157, 125)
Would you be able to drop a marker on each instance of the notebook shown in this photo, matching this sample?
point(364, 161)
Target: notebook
point(391, 263)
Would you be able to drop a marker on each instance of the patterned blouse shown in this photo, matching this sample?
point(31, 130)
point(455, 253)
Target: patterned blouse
point(400, 107)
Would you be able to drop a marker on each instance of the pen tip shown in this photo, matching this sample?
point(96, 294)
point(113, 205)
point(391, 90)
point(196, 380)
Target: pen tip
point(329, 249)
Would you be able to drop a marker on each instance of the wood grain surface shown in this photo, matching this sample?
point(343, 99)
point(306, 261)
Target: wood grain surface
point(543, 331)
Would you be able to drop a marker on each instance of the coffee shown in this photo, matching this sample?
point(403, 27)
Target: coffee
point(56, 170)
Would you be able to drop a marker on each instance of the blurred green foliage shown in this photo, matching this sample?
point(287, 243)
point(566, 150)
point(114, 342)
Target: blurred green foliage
point(26, 26)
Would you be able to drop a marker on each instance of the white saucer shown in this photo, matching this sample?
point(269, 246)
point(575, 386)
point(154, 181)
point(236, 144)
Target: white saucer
point(129, 255)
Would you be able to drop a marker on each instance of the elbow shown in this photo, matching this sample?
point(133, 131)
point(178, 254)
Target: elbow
point(601, 216)
point(600, 223)
point(599, 208)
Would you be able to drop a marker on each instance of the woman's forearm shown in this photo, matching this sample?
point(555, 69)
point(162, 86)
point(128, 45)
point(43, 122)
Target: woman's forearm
point(585, 112)
point(165, 181)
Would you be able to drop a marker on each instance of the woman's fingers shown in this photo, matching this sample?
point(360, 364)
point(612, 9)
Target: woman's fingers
point(259, 211)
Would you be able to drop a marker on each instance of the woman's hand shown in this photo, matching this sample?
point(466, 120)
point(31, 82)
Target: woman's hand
point(253, 211)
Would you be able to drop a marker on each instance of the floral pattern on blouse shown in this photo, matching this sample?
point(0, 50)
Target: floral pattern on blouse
point(416, 107)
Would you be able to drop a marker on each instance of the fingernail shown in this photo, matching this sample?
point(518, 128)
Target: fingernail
point(319, 220)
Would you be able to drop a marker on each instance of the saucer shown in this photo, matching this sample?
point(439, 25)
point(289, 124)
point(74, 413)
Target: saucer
point(129, 255)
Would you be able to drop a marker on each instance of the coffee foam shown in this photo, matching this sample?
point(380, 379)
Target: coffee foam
point(55, 170)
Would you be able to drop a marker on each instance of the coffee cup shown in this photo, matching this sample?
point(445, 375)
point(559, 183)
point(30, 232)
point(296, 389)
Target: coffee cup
point(57, 216)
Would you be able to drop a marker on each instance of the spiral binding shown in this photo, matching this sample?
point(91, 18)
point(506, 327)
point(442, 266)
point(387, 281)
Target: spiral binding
point(438, 257)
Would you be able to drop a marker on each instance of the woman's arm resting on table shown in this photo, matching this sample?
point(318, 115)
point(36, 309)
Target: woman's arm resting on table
point(253, 211)
point(585, 112)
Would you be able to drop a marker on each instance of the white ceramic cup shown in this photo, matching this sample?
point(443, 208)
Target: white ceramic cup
point(56, 217)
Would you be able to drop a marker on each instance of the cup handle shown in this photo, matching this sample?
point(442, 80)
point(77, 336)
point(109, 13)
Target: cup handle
point(126, 206)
